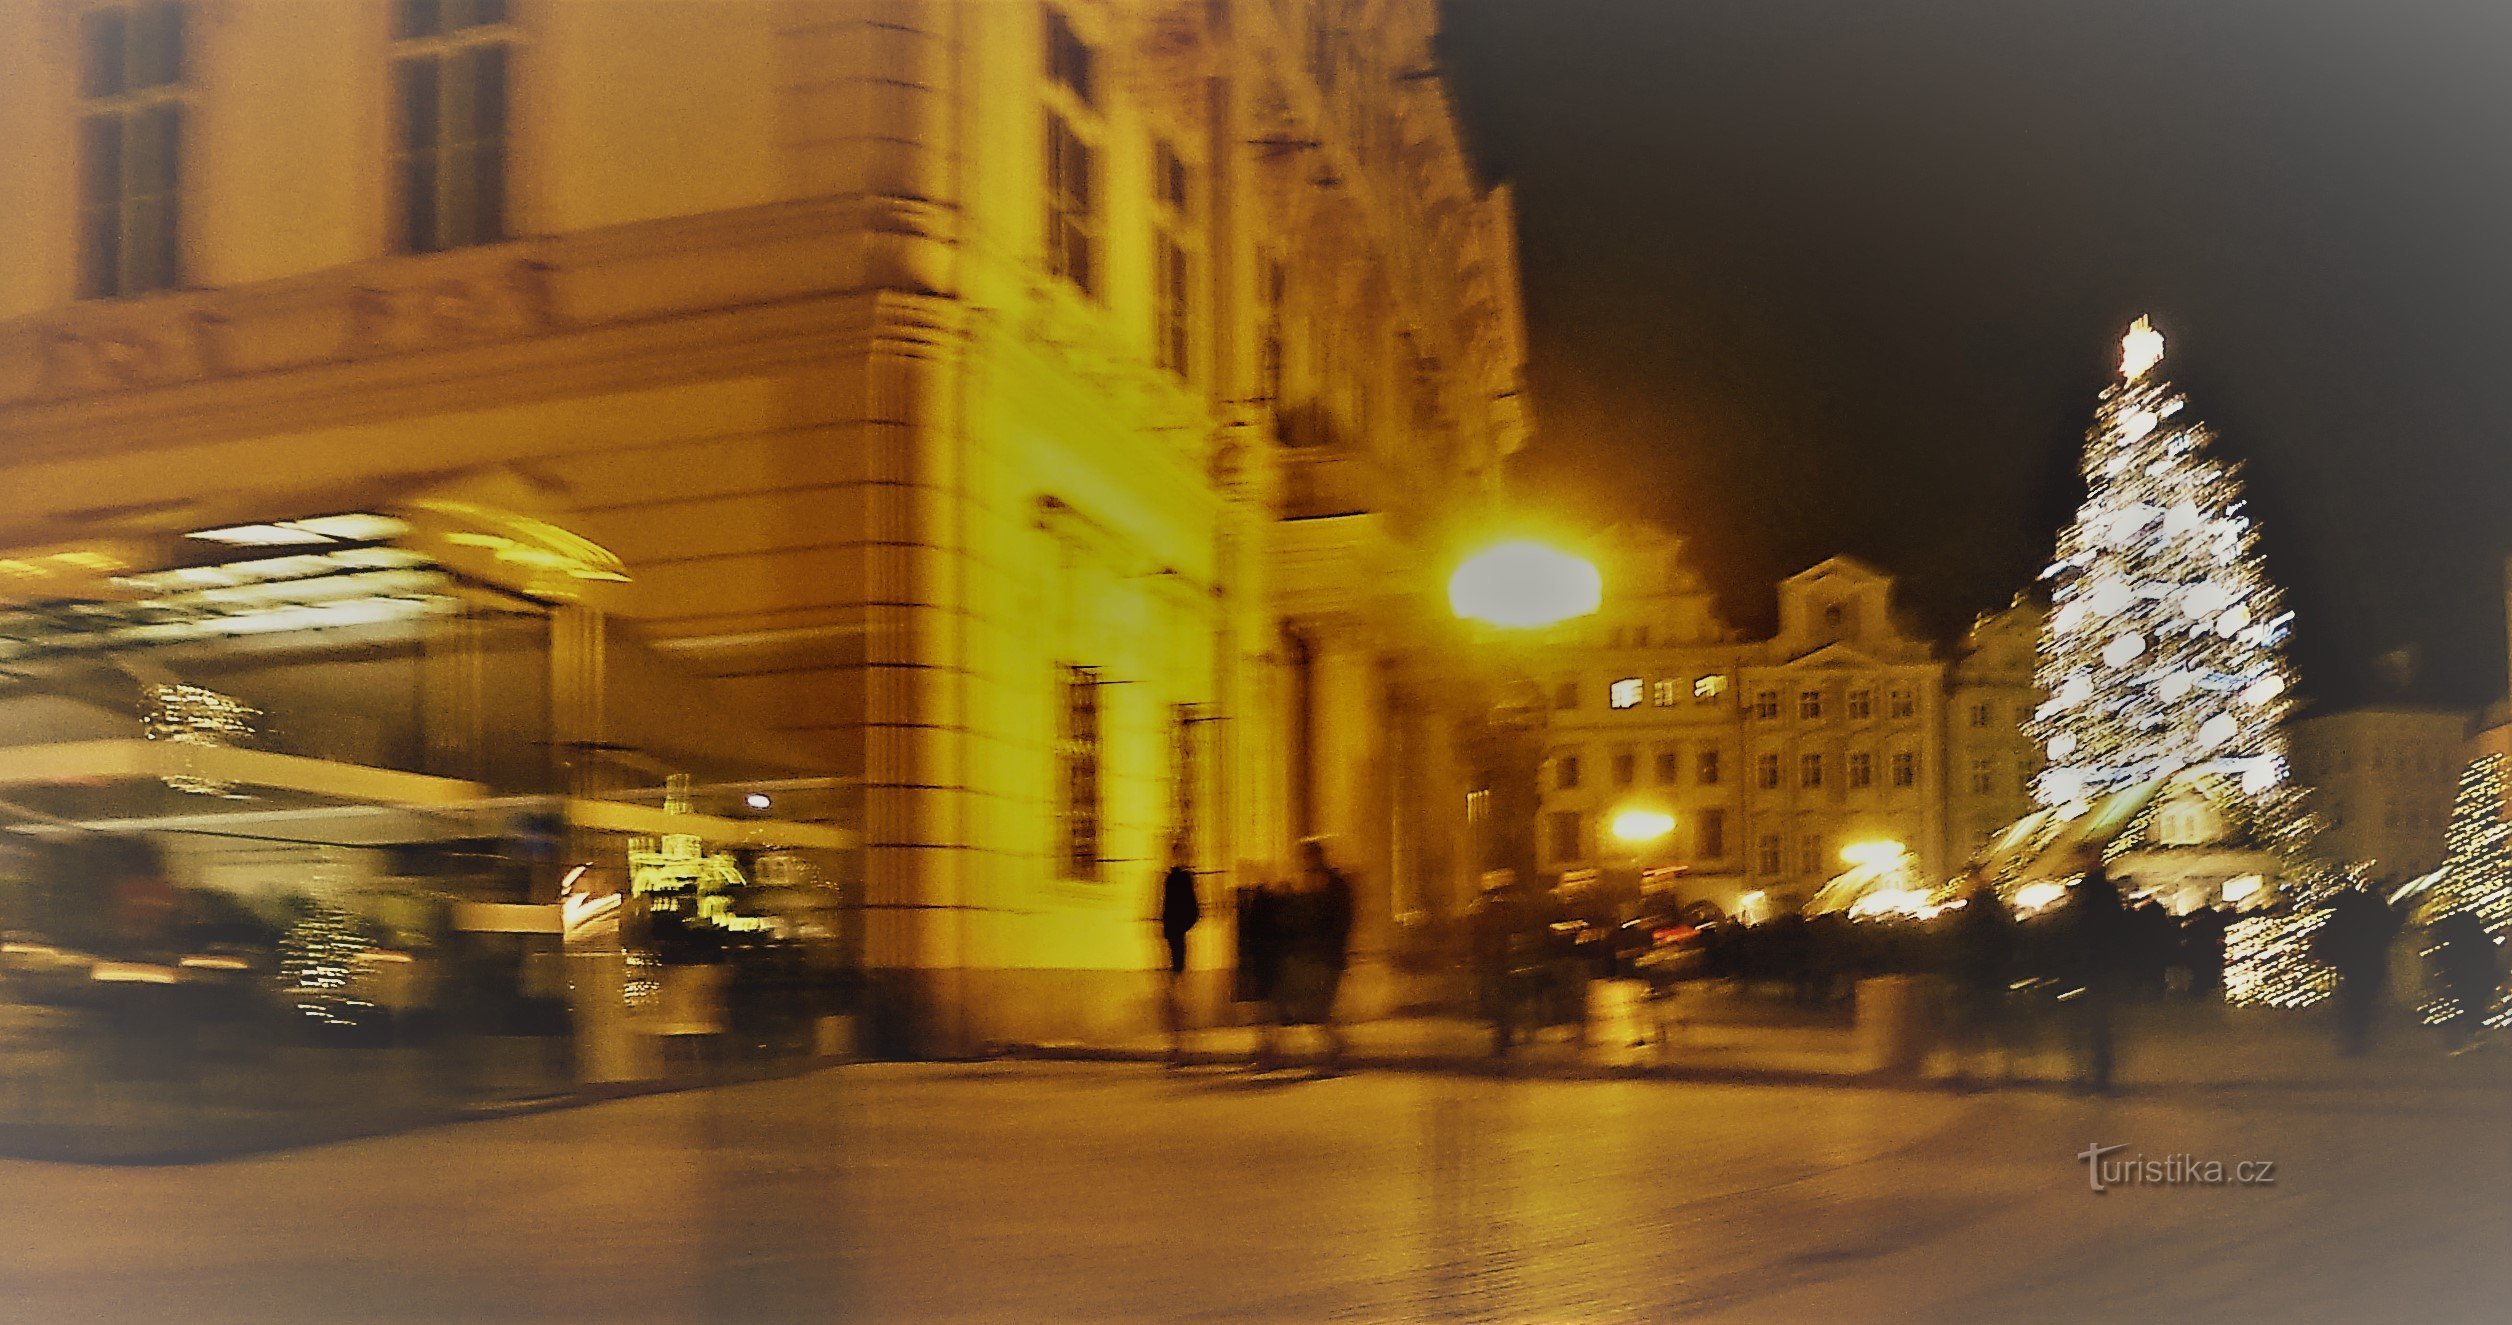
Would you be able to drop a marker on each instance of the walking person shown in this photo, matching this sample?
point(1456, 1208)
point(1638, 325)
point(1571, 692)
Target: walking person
point(2202, 946)
point(2467, 970)
point(1324, 949)
point(1180, 910)
point(2095, 923)
point(2355, 940)
point(1261, 941)
point(1983, 965)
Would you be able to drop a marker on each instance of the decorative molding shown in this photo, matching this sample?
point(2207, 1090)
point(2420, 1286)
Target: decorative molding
point(500, 301)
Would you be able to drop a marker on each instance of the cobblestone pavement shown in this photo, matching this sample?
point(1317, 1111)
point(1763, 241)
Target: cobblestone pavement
point(1090, 1192)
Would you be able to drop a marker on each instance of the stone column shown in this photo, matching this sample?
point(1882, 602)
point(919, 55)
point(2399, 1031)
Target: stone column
point(915, 722)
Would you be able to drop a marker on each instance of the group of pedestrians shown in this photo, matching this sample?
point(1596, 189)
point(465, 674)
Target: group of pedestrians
point(2097, 952)
point(1294, 945)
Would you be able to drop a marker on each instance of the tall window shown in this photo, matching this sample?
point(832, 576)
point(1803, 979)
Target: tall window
point(1809, 703)
point(1766, 854)
point(1566, 695)
point(1186, 772)
point(1072, 163)
point(1766, 772)
point(1706, 768)
point(1905, 769)
point(1710, 834)
point(1565, 833)
point(1903, 705)
point(1077, 749)
point(1269, 342)
point(1861, 770)
point(1810, 850)
point(1810, 770)
point(1624, 693)
point(1662, 693)
point(1173, 227)
point(1983, 776)
point(1861, 704)
point(1982, 715)
point(1626, 768)
point(1566, 772)
point(449, 85)
point(1669, 766)
point(131, 149)
point(1766, 704)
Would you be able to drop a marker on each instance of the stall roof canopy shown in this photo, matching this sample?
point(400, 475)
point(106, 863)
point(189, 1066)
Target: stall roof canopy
point(371, 560)
point(491, 525)
point(2046, 845)
point(85, 786)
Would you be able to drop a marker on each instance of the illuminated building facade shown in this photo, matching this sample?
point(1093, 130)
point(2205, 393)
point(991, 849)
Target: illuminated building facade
point(1773, 756)
point(2382, 781)
point(1036, 409)
point(1990, 760)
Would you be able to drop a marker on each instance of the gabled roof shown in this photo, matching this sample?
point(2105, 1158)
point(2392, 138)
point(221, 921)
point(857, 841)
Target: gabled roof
point(1834, 654)
point(1846, 566)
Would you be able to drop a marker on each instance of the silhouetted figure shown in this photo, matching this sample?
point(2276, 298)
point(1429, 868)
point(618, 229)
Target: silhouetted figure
point(1262, 940)
point(1507, 929)
point(2152, 941)
point(2095, 930)
point(1322, 948)
point(2469, 970)
point(2202, 948)
point(1180, 909)
point(1982, 967)
point(2355, 940)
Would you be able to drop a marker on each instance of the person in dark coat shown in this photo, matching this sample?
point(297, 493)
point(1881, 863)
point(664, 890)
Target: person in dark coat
point(1506, 920)
point(2355, 940)
point(1983, 943)
point(2096, 926)
point(2202, 948)
point(2468, 970)
point(1320, 947)
point(1180, 910)
point(1262, 939)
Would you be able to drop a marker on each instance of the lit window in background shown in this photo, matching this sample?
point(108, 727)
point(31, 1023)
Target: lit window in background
point(1709, 688)
point(1624, 694)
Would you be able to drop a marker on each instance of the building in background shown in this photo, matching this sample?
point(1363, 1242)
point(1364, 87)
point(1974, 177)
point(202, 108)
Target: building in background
point(2382, 780)
point(1990, 760)
point(1033, 410)
point(1773, 757)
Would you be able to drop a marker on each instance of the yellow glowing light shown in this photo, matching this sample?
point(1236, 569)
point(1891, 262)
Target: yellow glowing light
point(2140, 350)
point(2034, 896)
point(2242, 889)
point(1642, 825)
point(1872, 853)
point(1524, 585)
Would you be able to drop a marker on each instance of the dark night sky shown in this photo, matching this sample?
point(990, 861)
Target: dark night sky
point(1806, 278)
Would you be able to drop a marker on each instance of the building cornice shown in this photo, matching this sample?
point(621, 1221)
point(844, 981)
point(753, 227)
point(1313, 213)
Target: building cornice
point(656, 301)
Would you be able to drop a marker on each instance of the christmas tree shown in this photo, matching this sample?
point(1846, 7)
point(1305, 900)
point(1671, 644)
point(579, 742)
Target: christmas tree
point(2164, 648)
point(2476, 870)
point(2477, 847)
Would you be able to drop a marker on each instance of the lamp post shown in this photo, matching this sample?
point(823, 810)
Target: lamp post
point(1508, 590)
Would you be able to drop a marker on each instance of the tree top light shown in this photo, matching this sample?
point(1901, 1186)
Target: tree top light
point(2140, 350)
point(1524, 585)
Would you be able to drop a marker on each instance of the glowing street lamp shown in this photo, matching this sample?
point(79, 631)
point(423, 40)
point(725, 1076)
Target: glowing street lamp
point(1873, 855)
point(1524, 585)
